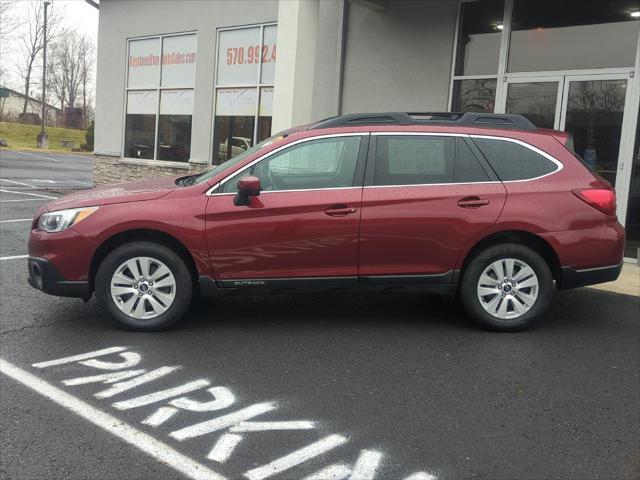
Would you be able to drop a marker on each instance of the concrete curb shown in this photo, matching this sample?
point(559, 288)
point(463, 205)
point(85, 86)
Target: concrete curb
point(628, 283)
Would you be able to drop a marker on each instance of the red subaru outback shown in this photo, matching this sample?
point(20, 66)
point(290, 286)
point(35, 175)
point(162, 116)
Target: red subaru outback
point(486, 207)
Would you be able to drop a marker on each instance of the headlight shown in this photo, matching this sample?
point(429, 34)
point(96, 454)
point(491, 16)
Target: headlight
point(63, 219)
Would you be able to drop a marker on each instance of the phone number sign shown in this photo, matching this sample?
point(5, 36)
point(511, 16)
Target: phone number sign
point(240, 53)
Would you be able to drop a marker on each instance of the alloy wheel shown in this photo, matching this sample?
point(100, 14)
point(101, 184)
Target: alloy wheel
point(143, 287)
point(508, 288)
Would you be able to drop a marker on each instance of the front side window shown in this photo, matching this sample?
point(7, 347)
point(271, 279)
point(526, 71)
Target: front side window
point(316, 164)
point(513, 161)
point(160, 97)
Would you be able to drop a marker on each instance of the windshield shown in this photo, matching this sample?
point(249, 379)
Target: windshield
point(209, 174)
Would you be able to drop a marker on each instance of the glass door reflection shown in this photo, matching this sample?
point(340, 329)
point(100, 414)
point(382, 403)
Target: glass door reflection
point(538, 101)
point(594, 111)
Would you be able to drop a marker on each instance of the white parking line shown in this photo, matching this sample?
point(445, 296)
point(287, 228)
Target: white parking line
point(26, 193)
point(14, 257)
point(39, 156)
point(79, 182)
point(17, 183)
point(143, 442)
point(17, 220)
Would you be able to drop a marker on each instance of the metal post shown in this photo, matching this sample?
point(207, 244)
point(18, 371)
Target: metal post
point(43, 138)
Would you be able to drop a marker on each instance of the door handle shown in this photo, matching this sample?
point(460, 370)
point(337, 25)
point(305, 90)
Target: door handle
point(472, 202)
point(340, 211)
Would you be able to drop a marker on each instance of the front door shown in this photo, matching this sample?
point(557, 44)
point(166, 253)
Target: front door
point(426, 198)
point(304, 224)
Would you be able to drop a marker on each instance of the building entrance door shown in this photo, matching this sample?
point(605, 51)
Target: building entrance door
point(538, 99)
point(593, 112)
point(595, 108)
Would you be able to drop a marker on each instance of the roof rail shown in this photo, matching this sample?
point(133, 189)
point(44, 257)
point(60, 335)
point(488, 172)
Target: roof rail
point(469, 119)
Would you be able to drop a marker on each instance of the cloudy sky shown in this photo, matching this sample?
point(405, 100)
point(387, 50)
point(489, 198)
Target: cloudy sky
point(79, 16)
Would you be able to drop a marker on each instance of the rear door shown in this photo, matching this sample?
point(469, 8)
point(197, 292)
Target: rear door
point(303, 225)
point(426, 197)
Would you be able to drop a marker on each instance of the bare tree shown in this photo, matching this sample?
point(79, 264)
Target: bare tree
point(8, 24)
point(69, 70)
point(32, 41)
point(88, 61)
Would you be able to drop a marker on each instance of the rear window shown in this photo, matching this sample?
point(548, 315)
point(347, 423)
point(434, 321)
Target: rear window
point(425, 160)
point(513, 161)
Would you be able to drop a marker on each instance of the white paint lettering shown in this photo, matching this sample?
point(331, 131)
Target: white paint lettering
point(224, 447)
point(366, 465)
point(134, 382)
point(161, 395)
point(131, 359)
point(266, 426)
point(296, 458)
point(332, 472)
point(222, 399)
point(104, 377)
point(77, 358)
point(421, 476)
point(160, 416)
point(223, 422)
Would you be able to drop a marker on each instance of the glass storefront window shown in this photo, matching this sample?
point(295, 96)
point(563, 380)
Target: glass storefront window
point(179, 61)
point(568, 35)
point(479, 37)
point(535, 100)
point(174, 125)
point(139, 138)
point(233, 135)
point(269, 54)
point(474, 95)
point(143, 67)
point(244, 89)
point(265, 113)
point(155, 64)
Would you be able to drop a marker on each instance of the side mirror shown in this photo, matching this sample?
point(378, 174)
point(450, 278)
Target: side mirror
point(248, 187)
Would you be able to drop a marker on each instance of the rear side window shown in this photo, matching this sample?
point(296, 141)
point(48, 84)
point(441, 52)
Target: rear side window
point(468, 168)
point(513, 161)
point(428, 159)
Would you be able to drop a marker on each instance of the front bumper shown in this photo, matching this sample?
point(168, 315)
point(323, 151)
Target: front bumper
point(572, 278)
point(44, 276)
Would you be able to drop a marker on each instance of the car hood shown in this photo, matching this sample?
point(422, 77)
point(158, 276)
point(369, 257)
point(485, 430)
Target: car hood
point(121, 193)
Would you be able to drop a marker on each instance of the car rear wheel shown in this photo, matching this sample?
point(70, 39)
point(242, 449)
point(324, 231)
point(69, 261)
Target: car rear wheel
point(507, 287)
point(144, 286)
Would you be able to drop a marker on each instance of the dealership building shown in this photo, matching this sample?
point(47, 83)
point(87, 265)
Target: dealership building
point(183, 85)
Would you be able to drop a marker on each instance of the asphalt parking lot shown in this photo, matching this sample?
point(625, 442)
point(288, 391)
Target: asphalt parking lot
point(319, 387)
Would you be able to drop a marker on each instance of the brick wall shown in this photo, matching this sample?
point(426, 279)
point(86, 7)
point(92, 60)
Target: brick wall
point(109, 170)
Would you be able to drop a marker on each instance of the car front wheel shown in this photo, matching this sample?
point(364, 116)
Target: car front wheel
point(507, 287)
point(144, 286)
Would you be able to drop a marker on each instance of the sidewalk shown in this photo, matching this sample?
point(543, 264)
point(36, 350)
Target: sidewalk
point(628, 282)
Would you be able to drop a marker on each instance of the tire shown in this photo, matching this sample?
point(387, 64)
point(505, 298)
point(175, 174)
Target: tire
point(136, 303)
point(518, 303)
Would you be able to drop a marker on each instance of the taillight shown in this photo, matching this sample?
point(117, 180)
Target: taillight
point(599, 198)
